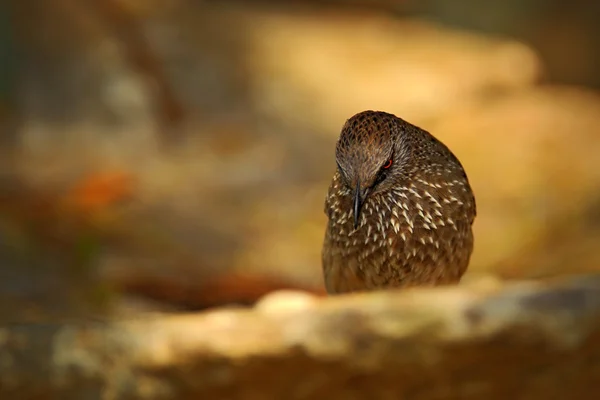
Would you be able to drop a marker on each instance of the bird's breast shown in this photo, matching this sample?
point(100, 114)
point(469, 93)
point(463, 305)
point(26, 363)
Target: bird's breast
point(401, 219)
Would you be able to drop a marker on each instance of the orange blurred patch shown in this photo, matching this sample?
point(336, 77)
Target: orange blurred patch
point(101, 190)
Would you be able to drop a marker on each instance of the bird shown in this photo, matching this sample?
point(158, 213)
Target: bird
point(400, 209)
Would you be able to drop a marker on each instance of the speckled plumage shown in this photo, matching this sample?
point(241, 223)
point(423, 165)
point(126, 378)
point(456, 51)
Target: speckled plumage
point(414, 220)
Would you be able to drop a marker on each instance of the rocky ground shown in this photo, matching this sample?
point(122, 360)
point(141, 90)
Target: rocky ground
point(479, 341)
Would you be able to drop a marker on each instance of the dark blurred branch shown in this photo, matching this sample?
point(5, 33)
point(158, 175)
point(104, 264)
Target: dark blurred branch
point(8, 77)
point(142, 58)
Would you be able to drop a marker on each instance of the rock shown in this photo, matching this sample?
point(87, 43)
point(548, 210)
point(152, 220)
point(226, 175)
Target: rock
point(317, 69)
point(531, 157)
point(524, 340)
point(284, 301)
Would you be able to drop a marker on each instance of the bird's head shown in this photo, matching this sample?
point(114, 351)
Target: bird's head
point(370, 155)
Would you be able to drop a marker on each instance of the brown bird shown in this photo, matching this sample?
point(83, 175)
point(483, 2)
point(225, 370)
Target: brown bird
point(400, 209)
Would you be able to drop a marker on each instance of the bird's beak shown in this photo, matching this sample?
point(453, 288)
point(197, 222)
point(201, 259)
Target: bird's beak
point(359, 198)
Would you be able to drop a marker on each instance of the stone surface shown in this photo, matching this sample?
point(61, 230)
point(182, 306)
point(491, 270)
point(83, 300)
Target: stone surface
point(531, 157)
point(318, 69)
point(523, 340)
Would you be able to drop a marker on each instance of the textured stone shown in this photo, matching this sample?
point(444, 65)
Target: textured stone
point(525, 340)
point(316, 69)
point(531, 157)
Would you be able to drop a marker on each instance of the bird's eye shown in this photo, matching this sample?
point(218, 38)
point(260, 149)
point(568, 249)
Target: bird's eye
point(383, 172)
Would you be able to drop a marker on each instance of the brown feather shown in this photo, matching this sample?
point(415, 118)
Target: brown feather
point(415, 223)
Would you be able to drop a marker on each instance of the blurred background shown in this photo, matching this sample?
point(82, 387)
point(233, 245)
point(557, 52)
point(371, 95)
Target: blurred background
point(174, 154)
